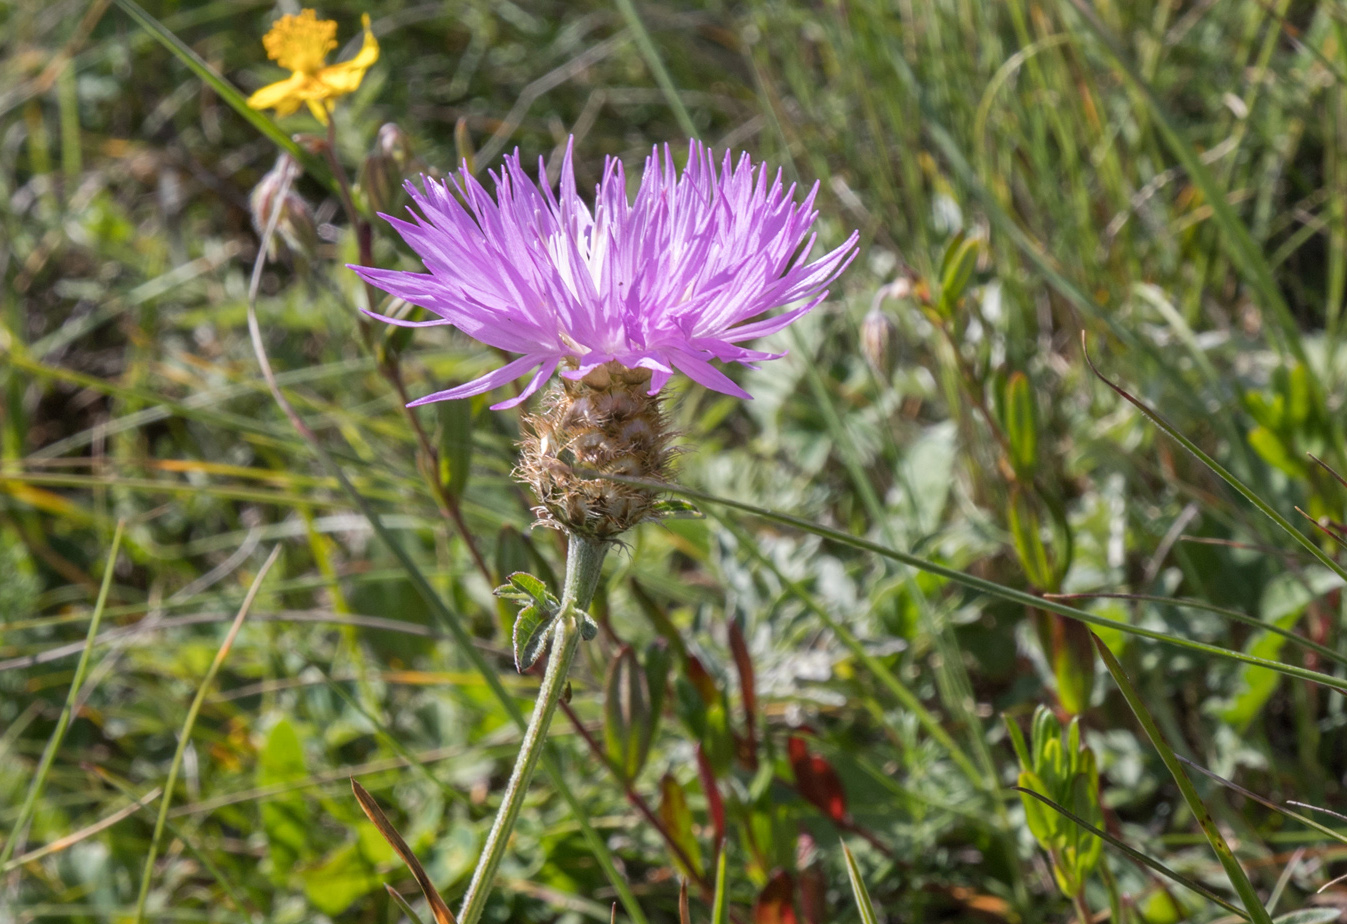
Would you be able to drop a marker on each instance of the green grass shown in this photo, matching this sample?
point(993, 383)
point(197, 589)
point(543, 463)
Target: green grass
point(1166, 178)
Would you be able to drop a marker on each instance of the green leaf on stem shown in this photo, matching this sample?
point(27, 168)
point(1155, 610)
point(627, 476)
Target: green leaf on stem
point(531, 628)
point(526, 588)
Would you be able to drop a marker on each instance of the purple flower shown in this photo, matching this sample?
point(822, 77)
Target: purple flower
point(683, 275)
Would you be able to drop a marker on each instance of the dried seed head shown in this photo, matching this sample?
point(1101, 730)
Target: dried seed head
point(295, 225)
point(387, 167)
point(877, 333)
point(603, 424)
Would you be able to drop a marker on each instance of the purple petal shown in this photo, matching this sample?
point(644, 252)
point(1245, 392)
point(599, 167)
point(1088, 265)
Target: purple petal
point(496, 377)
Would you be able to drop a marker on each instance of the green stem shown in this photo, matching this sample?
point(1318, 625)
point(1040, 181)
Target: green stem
point(584, 561)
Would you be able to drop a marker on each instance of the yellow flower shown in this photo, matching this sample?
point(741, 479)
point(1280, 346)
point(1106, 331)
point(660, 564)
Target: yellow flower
point(300, 44)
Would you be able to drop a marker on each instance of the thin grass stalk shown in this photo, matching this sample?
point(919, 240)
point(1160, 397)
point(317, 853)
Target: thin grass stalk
point(993, 589)
point(67, 713)
point(185, 735)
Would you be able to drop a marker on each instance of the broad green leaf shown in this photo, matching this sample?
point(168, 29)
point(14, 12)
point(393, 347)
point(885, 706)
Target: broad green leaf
point(1021, 423)
point(455, 446)
point(286, 817)
point(1072, 663)
point(344, 876)
point(1041, 824)
point(960, 259)
point(1284, 601)
point(1274, 452)
point(626, 715)
point(658, 661)
point(673, 811)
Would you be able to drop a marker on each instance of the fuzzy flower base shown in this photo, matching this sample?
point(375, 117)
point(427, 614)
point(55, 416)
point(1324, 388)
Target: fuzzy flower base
point(602, 424)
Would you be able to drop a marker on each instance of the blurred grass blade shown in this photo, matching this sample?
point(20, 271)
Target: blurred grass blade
point(229, 93)
point(16, 832)
point(1282, 810)
point(186, 734)
point(438, 908)
point(1252, 622)
point(1238, 878)
point(863, 903)
point(73, 838)
point(656, 64)
point(403, 905)
point(202, 856)
point(1244, 250)
point(1134, 854)
point(722, 888)
point(1247, 492)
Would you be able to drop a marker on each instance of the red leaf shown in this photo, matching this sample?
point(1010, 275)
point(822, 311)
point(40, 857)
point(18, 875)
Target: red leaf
point(743, 663)
point(776, 903)
point(816, 780)
point(702, 680)
point(814, 896)
point(714, 803)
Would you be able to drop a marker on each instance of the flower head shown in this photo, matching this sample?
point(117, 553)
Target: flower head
point(300, 45)
point(682, 274)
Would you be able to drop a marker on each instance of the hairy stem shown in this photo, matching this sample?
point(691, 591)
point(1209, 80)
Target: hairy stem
point(584, 561)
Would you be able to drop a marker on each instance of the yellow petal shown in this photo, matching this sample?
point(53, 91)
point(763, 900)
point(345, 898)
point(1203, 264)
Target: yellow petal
point(345, 76)
point(319, 109)
point(283, 95)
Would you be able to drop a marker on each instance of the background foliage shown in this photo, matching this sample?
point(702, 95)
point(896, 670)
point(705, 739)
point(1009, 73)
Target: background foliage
point(1168, 177)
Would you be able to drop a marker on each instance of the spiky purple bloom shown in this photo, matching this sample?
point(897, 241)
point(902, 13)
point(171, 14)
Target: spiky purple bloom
point(681, 276)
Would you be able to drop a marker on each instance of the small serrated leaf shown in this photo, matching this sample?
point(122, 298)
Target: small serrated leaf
point(533, 587)
point(531, 627)
point(675, 509)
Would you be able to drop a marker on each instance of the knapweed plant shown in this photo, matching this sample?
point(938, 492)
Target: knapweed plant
point(615, 297)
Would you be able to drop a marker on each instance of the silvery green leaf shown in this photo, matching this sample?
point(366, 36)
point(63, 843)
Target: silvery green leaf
point(530, 635)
